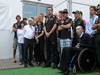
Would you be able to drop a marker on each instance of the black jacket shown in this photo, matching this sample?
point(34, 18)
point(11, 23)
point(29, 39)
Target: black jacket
point(85, 41)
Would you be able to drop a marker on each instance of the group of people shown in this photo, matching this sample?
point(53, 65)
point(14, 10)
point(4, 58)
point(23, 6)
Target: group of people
point(44, 38)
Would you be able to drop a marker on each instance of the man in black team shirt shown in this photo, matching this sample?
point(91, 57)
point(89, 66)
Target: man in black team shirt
point(64, 28)
point(51, 39)
point(14, 29)
point(78, 21)
point(64, 33)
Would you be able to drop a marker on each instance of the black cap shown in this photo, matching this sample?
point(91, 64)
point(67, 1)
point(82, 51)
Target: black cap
point(65, 11)
point(98, 6)
point(77, 12)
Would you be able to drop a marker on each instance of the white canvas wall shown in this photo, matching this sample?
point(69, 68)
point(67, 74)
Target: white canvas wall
point(8, 10)
point(82, 5)
point(14, 7)
point(89, 2)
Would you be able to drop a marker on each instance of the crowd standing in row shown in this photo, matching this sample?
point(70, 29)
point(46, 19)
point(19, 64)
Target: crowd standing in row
point(43, 38)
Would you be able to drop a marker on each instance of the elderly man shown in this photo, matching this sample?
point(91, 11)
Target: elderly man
point(83, 41)
point(29, 40)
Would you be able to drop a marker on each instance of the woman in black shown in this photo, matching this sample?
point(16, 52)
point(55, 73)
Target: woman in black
point(39, 48)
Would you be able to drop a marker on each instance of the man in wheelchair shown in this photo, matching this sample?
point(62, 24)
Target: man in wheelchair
point(82, 42)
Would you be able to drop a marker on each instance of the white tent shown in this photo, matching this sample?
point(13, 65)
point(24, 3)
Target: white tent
point(10, 8)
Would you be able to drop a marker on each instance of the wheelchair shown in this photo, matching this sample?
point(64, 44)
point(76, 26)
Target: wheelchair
point(85, 61)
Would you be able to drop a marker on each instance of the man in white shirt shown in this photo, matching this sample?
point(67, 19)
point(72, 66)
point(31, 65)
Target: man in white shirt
point(29, 35)
point(91, 21)
point(89, 30)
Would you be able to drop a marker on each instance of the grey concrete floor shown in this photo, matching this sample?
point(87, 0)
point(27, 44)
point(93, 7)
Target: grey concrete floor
point(8, 64)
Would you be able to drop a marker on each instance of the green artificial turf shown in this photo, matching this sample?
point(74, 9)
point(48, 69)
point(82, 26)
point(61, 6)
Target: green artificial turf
point(37, 71)
point(30, 71)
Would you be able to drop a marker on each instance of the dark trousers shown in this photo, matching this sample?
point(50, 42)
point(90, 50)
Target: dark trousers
point(66, 57)
point(52, 52)
point(39, 51)
point(28, 50)
point(98, 49)
point(21, 52)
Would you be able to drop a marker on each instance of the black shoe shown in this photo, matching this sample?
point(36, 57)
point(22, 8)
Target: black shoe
point(59, 68)
point(40, 63)
point(30, 64)
point(47, 66)
point(61, 72)
point(66, 73)
point(25, 65)
point(55, 67)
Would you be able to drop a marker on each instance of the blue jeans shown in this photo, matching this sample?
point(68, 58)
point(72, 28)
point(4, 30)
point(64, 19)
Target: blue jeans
point(21, 52)
point(65, 43)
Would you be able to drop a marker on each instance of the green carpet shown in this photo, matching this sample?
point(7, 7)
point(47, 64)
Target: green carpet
point(30, 71)
point(36, 71)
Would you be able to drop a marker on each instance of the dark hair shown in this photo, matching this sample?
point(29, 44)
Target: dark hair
point(93, 7)
point(51, 8)
point(18, 16)
point(24, 18)
point(19, 26)
point(81, 12)
point(60, 11)
point(32, 17)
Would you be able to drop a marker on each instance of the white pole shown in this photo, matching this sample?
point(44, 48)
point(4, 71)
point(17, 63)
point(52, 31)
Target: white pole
point(70, 7)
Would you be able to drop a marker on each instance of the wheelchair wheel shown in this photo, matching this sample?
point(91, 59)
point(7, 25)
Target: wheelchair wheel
point(86, 60)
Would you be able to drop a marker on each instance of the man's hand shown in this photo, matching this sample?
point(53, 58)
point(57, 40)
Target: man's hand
point(59, 28)
point(36, 37)
point(14, 29)
point(47, 34)
point(95, 26)
point(99, 26)
point(78, 45)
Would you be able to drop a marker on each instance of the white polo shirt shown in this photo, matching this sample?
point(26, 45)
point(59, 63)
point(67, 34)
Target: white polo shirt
point(29, 32)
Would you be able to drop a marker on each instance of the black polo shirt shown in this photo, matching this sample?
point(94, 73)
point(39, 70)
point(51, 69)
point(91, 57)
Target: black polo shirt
point(65, 33)
point(78, 22)
point(16, 26)
point(50, 21)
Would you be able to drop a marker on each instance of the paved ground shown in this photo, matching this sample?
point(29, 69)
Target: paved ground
point(8, 64)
